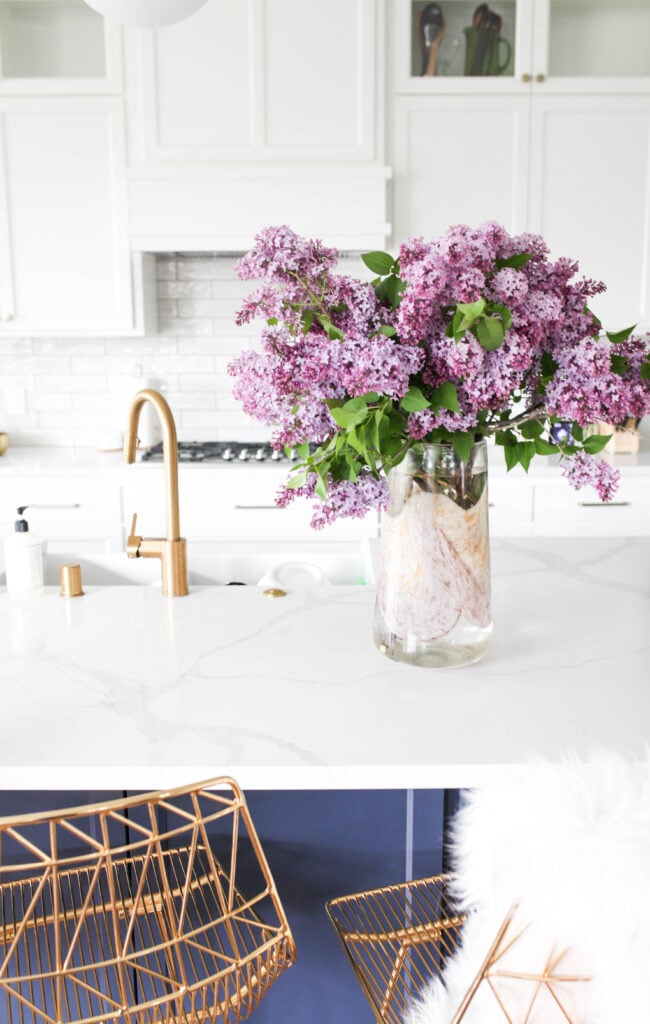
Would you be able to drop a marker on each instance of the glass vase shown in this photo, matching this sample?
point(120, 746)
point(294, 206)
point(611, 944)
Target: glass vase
point(433, 585)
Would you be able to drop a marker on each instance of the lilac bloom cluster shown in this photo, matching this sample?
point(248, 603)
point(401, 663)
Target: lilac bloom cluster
point(581, 470)
point(529, 349)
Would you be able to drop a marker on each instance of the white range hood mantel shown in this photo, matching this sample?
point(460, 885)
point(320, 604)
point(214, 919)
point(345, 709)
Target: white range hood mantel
point(222, 211)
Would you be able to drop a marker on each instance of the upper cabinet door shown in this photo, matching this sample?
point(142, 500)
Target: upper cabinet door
point(64, 261)
point(589, 46)
point(57, 46)
point(463, 46)
point(257, 80)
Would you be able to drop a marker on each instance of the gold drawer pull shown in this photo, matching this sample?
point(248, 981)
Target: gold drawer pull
point(603, 504)
point(256, 507)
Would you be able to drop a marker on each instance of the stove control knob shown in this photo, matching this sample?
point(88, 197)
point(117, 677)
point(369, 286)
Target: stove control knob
point(293, 455)
point(243, 455)
point(228, 454)
point(260, 454)
point(276, 455)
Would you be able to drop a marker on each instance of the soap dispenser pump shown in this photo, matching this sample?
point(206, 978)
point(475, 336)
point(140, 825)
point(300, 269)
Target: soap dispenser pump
point(23, 558)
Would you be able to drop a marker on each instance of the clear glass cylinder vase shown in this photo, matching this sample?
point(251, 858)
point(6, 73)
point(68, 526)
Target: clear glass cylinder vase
point(433, 585)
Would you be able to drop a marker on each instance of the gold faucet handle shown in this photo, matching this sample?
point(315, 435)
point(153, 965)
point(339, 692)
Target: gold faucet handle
point(134, 541)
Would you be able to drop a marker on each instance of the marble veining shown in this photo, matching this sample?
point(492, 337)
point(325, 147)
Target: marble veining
point(124, 688)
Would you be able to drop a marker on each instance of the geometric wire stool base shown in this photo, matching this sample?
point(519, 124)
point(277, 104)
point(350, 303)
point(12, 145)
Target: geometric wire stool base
point(157, 909)
point(397, 939)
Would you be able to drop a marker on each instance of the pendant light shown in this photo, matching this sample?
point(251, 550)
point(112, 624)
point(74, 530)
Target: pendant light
point(146, 13)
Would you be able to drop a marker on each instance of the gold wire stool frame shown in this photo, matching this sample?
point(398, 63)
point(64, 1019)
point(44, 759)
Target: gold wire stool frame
point(399, 938)
point(143, 921)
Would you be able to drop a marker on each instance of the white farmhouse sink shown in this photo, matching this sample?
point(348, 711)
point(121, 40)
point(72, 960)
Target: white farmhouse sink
point(280, 564)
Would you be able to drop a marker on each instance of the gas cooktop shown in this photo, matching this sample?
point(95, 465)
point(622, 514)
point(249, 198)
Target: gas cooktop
point(220, 451)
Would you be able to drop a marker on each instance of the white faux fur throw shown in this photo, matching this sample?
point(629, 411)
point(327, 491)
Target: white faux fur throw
point(570, 843)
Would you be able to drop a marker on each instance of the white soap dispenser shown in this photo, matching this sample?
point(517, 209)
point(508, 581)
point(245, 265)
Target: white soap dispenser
point(23, 558)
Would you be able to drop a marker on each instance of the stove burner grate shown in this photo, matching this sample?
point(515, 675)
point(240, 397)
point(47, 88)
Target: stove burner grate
point(219, 451)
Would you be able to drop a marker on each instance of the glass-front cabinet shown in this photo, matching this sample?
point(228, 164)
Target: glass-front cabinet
point(56, 46)
point(523, 45)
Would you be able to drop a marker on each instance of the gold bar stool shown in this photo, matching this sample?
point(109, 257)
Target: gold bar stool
point(133, 911)
point(397, 938)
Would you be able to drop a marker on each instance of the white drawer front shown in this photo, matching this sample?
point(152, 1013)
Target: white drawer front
point(559, 510)
point(73, 509)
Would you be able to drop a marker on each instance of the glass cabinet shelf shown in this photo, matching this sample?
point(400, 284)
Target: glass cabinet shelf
point(599, 38)
point(51, 39)
point(462, 38)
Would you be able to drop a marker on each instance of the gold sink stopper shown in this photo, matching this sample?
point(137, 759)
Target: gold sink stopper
point(274, 592)
point(70, 577)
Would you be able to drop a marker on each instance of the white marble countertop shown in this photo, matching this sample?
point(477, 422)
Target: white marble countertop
point(123, 688)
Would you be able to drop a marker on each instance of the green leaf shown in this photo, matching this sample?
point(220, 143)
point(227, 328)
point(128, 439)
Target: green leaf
point(531, 429)
point(471, 310)
point(549, 366)
point(505, 438)
point(515, 261)
point(356, 404)
point(596, 443)
point(463, 444)
point(388, 330)
point(645, 370)
point(394, 288)
point(619, 364)
point(272, 321)
point(414, 400)
point(504, 313)
point(333, 333)
point(543, 447)
point(512, 454)
point(297, 480)
point(445, 396)
point(303, 450)
point(526, 454)
point(616, 337)
point(379, 262)
point(356, 442)
point(490, 333)
point(321, 487)
point(307, 318)
point(348, 420)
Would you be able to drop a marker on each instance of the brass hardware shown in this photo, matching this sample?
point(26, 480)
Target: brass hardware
point(274, 592)
point(4, 442)
point(70, 578)
point(526, 78)
point(140, 909)
point(540, 78)
point(171, 550)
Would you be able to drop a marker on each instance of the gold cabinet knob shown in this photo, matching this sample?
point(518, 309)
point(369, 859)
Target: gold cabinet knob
point(526, 78)
point(540, 78)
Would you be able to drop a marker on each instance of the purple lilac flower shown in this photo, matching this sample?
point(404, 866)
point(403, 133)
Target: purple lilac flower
point(344, 498)
point(583, 469)
point(325, 341)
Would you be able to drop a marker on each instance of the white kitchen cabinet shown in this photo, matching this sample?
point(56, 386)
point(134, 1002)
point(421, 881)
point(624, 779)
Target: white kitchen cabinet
point(65, 266)
point(557, 144)
point(253, 112)
point(81, 514)
point(57, 47)
point(560, 511)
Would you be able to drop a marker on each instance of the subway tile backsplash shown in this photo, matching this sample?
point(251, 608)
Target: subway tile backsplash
point(72, 391)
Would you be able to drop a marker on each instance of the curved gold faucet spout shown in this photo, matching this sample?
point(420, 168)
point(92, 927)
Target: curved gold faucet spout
point(172, 550)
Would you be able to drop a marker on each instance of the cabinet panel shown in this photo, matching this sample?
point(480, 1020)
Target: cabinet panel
point(560, 511)
point(316, 74)
point(67, 248)
point(203, 68)
point(459, 160)
point(256, 80)
point(590, 177)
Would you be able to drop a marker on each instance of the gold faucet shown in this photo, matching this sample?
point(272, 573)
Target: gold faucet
point(171, 550)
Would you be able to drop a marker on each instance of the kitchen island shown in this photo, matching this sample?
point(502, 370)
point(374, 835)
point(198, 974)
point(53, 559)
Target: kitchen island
point(125, 689)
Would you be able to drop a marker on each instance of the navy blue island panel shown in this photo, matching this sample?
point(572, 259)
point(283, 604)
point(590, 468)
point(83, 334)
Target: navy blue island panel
point(319, 845)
